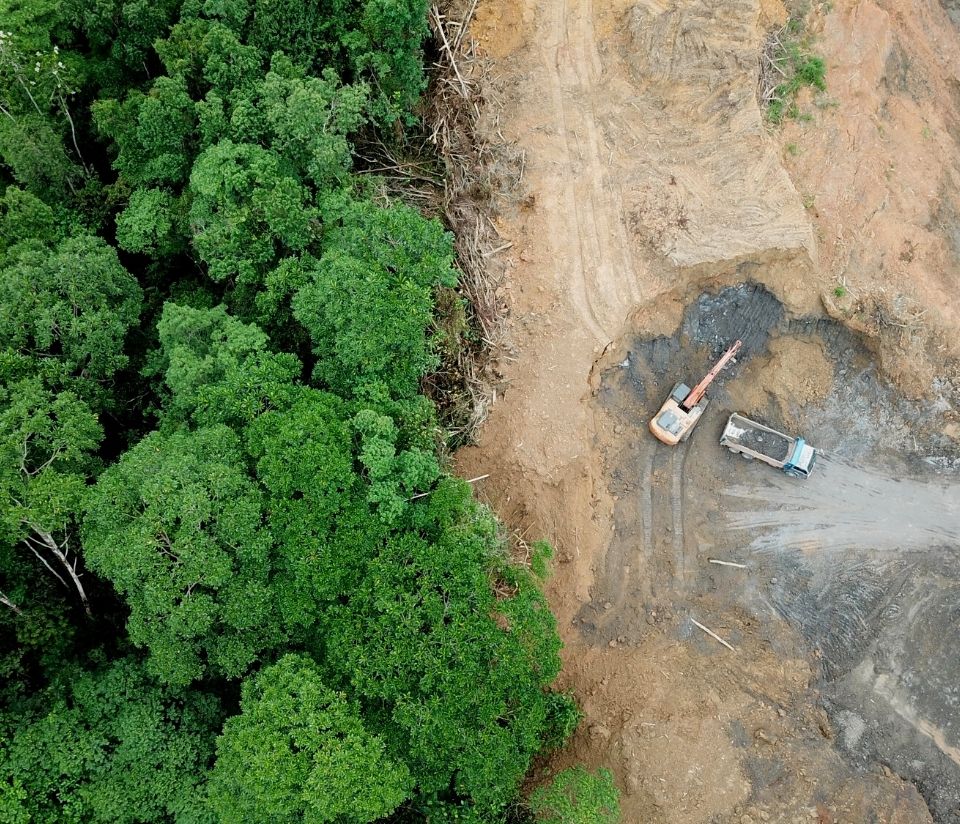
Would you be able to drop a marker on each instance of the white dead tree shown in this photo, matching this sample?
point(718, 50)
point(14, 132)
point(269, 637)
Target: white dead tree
point(42, 544)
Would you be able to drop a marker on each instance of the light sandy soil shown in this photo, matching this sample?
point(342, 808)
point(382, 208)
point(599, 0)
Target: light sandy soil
point(653, 178)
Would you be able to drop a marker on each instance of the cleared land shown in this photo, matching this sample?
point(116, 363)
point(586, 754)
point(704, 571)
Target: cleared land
point(665, 220)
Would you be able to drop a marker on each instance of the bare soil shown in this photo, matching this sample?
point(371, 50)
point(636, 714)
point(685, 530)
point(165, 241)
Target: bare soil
point(663, 219)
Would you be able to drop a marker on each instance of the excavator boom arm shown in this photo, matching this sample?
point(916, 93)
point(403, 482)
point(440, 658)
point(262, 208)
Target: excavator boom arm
point(698, 391)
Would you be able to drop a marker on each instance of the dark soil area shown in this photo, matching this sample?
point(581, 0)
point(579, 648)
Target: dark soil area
point(856, 569)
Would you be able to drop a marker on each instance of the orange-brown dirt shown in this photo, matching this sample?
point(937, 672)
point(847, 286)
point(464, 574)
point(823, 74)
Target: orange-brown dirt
point(652, 176)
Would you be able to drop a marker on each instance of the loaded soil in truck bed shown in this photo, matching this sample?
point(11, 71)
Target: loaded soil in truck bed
point(774, 446)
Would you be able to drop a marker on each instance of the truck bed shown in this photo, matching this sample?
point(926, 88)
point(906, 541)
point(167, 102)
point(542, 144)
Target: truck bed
point(744, 432)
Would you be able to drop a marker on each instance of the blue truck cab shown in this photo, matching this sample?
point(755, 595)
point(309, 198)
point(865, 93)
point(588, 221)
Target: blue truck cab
point(802, 461)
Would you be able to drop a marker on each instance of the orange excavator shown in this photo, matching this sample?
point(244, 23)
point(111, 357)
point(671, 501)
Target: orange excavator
point(681, 411)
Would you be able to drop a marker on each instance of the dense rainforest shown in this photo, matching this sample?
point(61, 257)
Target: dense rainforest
point(237, 581)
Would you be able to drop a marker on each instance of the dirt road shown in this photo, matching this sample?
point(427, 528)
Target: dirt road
point(847, 507)
point(654, 184)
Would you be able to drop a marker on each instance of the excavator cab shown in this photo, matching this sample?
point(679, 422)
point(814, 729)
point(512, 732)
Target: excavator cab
point(673, 424)
point(685, 406)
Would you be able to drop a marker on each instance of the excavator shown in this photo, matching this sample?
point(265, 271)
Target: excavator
point(684, 407)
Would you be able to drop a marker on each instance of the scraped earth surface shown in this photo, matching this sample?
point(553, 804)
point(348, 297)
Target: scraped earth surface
point(664, 220)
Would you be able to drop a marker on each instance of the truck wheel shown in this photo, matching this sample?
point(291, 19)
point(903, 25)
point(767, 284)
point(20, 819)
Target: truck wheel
point(746, 456)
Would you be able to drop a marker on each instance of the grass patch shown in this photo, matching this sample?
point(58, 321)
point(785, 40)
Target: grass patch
point(788, 65)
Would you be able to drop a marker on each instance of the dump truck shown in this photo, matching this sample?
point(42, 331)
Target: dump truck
point(685, 406)
point(754, 440)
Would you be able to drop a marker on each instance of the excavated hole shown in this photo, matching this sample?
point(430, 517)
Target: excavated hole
point(857, 568)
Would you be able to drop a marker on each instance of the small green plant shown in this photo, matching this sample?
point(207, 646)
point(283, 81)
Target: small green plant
point(808, 201)
point(789, 55)
point(810, 70)
point(840, 291)
point(795, 24)
point(792, 149)
point(576, 796)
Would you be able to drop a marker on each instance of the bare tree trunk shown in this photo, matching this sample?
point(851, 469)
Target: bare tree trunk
point(73, 132)
point(8, 603)
point(62, 555)
point(30, 541)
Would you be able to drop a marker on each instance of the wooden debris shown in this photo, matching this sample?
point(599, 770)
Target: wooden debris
point(500, 248)
point(726, 563)
point(712, 634)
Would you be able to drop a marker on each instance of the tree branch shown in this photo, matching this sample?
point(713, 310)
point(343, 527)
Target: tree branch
point(46, 540)
point(7, 602)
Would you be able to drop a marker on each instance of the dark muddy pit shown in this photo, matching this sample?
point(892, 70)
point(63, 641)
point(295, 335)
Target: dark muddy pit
point(857, 567)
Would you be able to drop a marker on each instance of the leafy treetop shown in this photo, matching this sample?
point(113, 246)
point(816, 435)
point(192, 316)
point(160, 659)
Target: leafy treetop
point(299, 752)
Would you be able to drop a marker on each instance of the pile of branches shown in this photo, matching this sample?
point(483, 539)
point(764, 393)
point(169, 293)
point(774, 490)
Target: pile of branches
point(477, 176)
point(449, 169)
point(773, 71)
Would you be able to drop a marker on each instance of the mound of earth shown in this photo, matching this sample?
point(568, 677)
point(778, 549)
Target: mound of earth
point(717, 191)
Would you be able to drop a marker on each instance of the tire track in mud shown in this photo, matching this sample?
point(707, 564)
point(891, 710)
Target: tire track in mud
point(646, 524)
point(681, 577)
point(843, 507)
point(654, 561)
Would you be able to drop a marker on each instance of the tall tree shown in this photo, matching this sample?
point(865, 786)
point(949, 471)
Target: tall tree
point(46, 441)
point(299, 752)
point(69, 308)
point(457, 673)
point(219, 369)
point(106, 745)
point(248, 210)
point(178, 527)
point(39, 141)
point(369, 305)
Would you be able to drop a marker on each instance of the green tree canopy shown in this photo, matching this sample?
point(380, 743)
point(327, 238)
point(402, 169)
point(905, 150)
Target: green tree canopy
point(462, 693)
point(299, 752)
point(24, 217)
point(153, 222)
point(369, 305)
point(249, 209)
point(154, 133)
point(304, 459)
point(219, 369)
point(36, 83)
point(177, 526)
point(305, 120)
point(46, 443)
point(69, 306)
point(106, 745)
